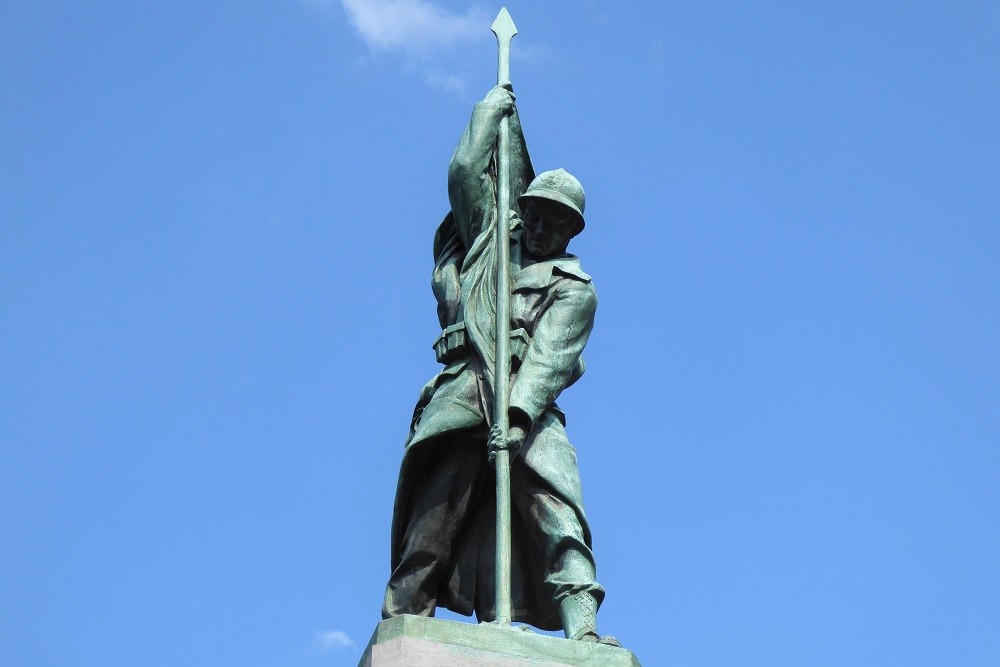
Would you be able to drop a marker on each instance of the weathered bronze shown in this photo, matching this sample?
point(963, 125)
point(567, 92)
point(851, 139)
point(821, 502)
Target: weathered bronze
point(516, 311)
point(503, 27)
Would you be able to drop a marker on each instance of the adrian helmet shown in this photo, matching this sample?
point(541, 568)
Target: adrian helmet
point(559, 186)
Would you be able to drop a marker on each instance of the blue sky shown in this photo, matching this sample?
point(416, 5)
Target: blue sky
point(215, 247)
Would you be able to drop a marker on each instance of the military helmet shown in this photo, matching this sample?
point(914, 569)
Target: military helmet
point(559, 186)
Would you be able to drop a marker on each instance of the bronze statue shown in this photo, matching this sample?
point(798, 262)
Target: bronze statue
point(489, 418)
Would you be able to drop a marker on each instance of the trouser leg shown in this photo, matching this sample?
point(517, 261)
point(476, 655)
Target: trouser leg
point(555, 528)
point(442, 499)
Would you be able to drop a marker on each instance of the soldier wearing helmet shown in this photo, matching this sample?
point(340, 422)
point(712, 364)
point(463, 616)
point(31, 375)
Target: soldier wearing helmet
point(443, 521)
point(553, 212)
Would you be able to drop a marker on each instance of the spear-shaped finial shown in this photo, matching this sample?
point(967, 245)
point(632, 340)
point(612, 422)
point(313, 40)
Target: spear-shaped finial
point(503, 27)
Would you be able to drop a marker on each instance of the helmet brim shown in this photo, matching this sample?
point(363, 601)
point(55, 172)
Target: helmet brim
point(556, 196)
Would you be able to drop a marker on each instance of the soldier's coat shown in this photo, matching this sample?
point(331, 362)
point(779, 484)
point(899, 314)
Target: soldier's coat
point(553, 301)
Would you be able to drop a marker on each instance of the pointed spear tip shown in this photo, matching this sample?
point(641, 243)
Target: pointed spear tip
point(504, 24)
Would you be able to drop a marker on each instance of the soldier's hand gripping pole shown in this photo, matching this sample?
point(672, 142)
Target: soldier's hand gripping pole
point(503, 27)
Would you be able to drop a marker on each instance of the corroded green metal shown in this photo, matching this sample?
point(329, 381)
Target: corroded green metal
point(505, 30)
point(516, 311)
point(559, 186)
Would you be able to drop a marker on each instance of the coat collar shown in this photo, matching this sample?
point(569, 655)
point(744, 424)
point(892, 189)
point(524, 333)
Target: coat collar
point(541, 274)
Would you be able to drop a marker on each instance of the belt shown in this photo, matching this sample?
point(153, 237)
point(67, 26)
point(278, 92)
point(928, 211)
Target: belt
point(453, 344)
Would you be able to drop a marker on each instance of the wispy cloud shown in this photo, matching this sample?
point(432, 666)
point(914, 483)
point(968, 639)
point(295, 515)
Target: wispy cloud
point(439, 78)
point(423, 34)
point(331, 639)
point(414, 27)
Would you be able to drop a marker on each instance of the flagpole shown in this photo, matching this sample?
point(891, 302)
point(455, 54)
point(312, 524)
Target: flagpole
point(505, 30)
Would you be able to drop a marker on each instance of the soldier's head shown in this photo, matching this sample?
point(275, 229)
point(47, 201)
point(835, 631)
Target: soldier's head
point(553, 212)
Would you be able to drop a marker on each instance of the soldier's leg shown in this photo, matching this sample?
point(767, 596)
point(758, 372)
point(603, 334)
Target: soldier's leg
point(441, 505)
point(554, 520)
point(556, 530)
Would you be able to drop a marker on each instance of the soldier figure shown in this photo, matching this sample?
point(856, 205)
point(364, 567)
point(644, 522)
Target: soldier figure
point(443, 522)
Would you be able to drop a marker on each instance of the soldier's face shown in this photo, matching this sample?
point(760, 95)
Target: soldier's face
point(548, 227)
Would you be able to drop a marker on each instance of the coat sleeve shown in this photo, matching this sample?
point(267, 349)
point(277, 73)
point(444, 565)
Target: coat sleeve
point(551, 360)
point(472, 170)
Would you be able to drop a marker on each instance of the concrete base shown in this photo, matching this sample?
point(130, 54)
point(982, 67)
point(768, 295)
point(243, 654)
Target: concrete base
point(417, 641)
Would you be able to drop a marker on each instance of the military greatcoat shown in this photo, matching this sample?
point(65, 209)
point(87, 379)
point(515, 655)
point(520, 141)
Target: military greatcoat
point(553, 302)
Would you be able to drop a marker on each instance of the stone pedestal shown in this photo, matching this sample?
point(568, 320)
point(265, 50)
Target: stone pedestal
point(416, 641)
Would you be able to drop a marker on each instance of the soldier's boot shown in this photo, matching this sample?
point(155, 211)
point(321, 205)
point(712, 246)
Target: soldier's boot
point(579, 618)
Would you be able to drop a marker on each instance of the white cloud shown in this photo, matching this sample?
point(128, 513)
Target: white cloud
point(330, 639)
point(438, 78)
point(430, 40)
point(414, 27)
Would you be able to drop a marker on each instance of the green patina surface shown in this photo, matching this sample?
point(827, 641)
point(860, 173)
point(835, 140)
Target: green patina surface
point(516, 311)
point(504, 641)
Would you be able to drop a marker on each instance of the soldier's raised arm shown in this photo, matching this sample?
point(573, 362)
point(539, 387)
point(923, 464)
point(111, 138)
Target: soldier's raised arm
point(472, 171)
